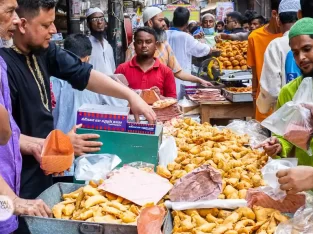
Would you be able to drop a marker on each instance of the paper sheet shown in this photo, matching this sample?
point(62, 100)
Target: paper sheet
point(137, 186)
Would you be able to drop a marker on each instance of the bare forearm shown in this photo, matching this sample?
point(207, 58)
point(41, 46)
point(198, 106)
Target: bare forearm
point(5, 189)
point(5, 128)
point(29, 139)
point(102, 84)
point(187, 77)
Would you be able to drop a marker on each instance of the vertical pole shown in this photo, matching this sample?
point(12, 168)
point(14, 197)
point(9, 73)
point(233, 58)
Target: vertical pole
point(115, 29)
point(74, 17)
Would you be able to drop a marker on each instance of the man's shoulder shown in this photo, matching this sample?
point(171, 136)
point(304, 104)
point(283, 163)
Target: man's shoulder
point(163, 67)
point(256, 33)
point(291, 86)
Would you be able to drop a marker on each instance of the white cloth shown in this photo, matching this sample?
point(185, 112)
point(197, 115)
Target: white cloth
point(91, 11)
point(273, 76)
point(289, 6)
point(102, 60)
point(184, 47)
point(150, 12)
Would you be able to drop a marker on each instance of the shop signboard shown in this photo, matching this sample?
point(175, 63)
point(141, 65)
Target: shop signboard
point(222, 8)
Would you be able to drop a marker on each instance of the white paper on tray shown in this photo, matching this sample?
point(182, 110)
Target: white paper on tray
point(167, 151)
point(136, 185)
point(216, 203)
point(269, 172)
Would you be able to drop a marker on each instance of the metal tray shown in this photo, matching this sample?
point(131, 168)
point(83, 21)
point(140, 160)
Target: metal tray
point(51, 197)
point(238, 75)
point(237, 97)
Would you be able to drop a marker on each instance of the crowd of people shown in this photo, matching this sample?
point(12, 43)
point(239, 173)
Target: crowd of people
point(42, 86)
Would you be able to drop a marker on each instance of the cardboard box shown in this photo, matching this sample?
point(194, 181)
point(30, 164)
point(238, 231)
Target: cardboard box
point(130, 147)
point(103, 117)
point(141, 128)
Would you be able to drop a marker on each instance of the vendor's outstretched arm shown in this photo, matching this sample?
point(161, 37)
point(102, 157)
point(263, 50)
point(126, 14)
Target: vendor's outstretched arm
point(102, 84)
point(188, 77)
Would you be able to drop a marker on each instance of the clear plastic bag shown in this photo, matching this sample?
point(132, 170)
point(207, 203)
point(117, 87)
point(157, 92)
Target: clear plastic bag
point(252, 128)
point(148, 167)
point(269, 175)
point(95, 166)
point(301, 223)
point(293, 120)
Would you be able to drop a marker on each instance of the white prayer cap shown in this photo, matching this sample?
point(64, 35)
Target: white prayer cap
point(192, 22)
point(289, 6)
point(208, 15)
point(150, 12)
point(91, 11)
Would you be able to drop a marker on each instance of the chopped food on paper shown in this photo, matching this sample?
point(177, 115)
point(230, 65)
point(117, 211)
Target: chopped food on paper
point(149, 96)
point(201, 144)
point(57, 153)
point(164, 103)
point(243, 220)
point(190, 187)
point(92, 204)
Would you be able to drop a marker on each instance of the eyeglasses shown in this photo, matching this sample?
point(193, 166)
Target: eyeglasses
point(98, 19)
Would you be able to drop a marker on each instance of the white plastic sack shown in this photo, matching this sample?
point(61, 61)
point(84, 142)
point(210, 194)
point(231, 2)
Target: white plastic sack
point(95, 166)
point(293, 121)
point(269, 172)
point(216, 203)
point(167, 151)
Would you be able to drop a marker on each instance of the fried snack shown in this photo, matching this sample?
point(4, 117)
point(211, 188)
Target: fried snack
point(201, 144)
point(94, 200)
point(241, 221)
point(91, 204)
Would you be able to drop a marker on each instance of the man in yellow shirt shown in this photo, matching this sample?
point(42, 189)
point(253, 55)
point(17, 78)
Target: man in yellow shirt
point(257, 44)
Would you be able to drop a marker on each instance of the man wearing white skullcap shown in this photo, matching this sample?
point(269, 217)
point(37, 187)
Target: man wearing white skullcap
point(154, 18)
point(273, 76)
point(102, 57)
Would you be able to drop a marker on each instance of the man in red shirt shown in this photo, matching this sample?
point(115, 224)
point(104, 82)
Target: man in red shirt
point(145, 71)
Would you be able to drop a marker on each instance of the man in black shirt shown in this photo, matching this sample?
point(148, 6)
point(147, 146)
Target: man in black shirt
point(30, 63)
point(234, 21)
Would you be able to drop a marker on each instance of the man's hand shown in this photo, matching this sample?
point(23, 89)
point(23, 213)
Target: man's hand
point(156, 90)
point(140, 107)
point(204, 82)
point(31, 207)
point(82, 143)
point(295, 180)
point(31, 148)
point(271, 146)
point(218, 38)
point(200, 35)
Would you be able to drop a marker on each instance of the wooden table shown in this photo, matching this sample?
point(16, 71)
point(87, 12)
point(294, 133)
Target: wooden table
point(225, 110)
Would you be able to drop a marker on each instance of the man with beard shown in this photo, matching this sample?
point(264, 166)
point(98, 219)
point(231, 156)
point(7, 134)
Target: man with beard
point(300, 178)
point(30, 63)
point(144, 71)
point(154, 18)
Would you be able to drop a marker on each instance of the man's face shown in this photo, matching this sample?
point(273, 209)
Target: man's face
point(158, 22)
point(8, 18)
point(246, 27)
point(230, 23)
point(39, 30)
point(145, 45)
point(302, 48)
point(97, 22)
point(255, 24)
point(208, 22)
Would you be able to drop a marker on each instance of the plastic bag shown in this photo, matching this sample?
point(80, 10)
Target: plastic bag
point(150, 220)
point(148, 167)
point(293, 121)
point(167, 151)
point(187, 103)
point(269, 175)
point(301, 223)
point(252, 128)
point(95, 166)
